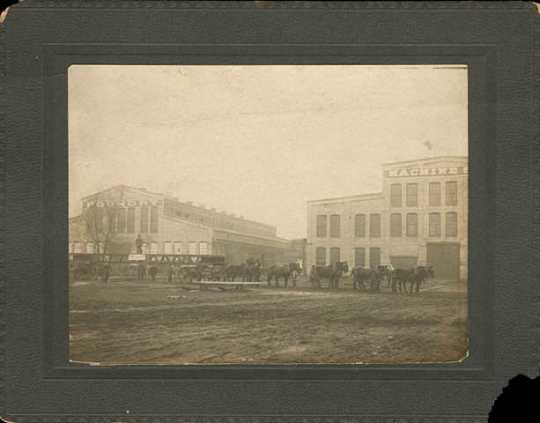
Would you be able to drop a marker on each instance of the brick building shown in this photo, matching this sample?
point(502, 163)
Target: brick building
point(419, 217)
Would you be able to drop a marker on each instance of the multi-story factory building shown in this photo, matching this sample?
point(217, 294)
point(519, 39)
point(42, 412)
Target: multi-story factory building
point(420, 217)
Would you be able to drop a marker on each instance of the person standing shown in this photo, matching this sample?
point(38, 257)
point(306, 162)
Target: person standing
point(139, 244)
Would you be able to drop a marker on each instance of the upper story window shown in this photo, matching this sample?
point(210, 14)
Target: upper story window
point(320, 256)
point(203, 248)
point(131, 220)
point(144, 219)
point(395, 225)
point(167, 247)
point(434, 194)
point(412, 195)
point(153, 219)
point(193, 248)
point(99, 217)
point(335, 230)
point(178, 247)
point(395, 195)
point(412, 224)
point(121, 220)
point(375, 225)
point(322, 224)
point(451, 193)
point(334, 255)
point(434, 224)
point(360, 225)
point(360, 256)
point(451, 224)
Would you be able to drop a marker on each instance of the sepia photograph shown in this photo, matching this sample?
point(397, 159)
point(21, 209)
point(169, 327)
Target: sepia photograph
point(268, 214)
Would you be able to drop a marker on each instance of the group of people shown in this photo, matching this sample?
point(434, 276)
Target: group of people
point(145, 270)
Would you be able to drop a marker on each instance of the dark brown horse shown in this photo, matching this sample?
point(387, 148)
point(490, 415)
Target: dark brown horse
point(277, 272)
point(332, 273)
point(413, 278)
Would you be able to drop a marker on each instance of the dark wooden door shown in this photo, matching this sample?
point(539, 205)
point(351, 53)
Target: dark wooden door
point(444, 257)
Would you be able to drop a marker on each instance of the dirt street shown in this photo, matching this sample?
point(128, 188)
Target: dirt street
point(135, 322)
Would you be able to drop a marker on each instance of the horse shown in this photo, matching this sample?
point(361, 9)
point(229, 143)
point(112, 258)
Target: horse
point(373, 277)
point(414, 277)
point(420, 275)
point(277, 272)
point(233, 271)
point(386, 271)
point(400, 278)
point(217, 273)
point(186, 274)
point(252, 270)
point(360, 276)
point(332, 273)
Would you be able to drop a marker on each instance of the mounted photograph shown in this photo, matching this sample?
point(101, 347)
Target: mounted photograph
point(268, 214)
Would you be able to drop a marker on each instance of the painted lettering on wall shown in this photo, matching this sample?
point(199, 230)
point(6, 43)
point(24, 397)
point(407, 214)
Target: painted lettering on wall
point(122, 203)
point(425, 171)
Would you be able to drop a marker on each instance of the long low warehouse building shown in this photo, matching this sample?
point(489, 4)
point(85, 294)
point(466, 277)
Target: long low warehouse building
point(112, 220)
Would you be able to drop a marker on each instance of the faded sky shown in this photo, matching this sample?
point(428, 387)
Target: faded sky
point(258, 141)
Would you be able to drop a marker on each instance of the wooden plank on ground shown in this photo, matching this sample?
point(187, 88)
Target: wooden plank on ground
point(228, 283)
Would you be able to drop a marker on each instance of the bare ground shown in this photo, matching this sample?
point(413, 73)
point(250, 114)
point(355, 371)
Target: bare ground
point(134, 322)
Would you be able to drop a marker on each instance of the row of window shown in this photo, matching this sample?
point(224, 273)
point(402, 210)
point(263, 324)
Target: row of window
point(149, 219)
point(434, 225)
point(396, 225)
point(217, 220)
point(359, 224)
point(434, 194)
point(359, 256)
point(168, 247)
point(86, 247)
point(123, 219)
point(179, 247)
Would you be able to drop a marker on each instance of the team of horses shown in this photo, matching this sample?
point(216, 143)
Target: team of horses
point(249, 271)
point(371, 279)
point(407, 281)
point(398, 280)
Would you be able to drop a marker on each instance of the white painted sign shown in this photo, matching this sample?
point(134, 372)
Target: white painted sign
point(136, 257)
point(425, 171)
point(122, 203)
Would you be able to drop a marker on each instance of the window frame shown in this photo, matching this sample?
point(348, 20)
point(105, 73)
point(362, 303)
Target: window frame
point(378, 233)
point(431, 195)
point(408, 225)
point(455, 224)
point(360, 230)
point(431, 225)
point(335, 226)
point(408, 195)
point(321, 230)
point(393, 229)
point(454, 193)
point(317, 256)
point(394, 196)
